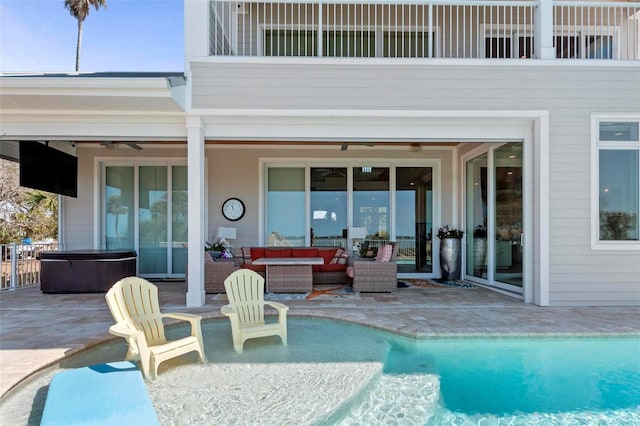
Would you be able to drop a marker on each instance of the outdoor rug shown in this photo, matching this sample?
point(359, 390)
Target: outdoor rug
point(427, 283)
point(319, 293)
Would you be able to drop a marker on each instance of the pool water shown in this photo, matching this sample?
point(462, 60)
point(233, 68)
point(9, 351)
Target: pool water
point(508, 376)
point(336, 373)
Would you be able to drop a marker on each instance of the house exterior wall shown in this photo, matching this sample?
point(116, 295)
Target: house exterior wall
point(231, 172)
point(570, 93)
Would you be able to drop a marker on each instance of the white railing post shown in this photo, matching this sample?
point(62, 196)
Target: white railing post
point(431, 37)
point(320, 29)
point(14, 267)
point(543, 34)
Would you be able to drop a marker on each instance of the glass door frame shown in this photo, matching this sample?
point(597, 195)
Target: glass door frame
point(490, 281)
point(100, 236)
point(349, 164)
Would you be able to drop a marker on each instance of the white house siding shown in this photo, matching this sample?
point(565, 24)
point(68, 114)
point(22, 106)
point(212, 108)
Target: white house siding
point(569, 92)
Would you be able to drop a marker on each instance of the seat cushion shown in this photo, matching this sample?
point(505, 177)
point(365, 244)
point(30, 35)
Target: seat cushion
point(333, 267)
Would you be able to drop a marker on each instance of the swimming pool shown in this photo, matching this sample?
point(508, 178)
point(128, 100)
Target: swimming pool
point(339, 373)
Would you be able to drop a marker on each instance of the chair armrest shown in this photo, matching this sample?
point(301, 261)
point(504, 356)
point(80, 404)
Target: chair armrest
point(280, 307)
point(182, 316)
point(227, 310)
point(121, 330)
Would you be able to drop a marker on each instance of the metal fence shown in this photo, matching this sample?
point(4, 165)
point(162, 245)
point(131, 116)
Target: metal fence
point(20, 266)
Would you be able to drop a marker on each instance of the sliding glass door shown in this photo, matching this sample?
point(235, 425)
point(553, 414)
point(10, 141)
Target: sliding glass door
point(508, 214)
point(493, 210)
point(414, 219)
point(145, 209)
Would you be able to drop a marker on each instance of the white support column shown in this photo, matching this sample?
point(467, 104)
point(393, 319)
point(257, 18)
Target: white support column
point(543, 37)
point(196, 20)
point(196, 211)
point(541, 209)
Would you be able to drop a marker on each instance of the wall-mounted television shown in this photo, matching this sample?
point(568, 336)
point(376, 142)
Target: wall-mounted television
point(48, 169)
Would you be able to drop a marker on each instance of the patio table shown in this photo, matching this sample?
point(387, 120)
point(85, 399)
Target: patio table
point(289, 274)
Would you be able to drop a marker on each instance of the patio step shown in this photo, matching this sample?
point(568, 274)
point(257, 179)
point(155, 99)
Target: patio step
point(396, 399)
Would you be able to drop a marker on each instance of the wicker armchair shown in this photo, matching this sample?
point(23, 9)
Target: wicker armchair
point(376, 277)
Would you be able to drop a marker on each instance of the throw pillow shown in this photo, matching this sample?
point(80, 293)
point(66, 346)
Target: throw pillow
point(340, 258)
point(384, 253)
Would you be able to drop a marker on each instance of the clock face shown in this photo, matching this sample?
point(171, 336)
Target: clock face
point(233, 209)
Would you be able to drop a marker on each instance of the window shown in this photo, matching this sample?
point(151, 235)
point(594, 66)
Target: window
point(617, 162)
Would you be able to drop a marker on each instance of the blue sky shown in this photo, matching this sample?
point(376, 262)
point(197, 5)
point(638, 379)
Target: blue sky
point(129, 35)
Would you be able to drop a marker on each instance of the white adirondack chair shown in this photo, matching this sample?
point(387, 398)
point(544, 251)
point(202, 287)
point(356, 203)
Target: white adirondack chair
point(245, 291)
point(133, 302)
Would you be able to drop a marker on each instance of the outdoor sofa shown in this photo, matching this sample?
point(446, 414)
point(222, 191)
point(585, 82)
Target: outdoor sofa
point(332, 271)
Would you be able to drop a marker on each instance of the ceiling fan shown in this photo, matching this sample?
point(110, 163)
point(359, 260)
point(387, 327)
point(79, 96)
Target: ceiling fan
point(129, 144)
point(345, 145)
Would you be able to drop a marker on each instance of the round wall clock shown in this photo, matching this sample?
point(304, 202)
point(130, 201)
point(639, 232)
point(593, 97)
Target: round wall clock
point(233, 209)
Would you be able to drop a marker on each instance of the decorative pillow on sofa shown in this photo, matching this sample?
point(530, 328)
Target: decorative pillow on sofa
point(341, 257)
point(246, 255)
point(384, 253)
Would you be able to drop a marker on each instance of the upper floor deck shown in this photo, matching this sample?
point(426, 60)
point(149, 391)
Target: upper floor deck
point(473, 29)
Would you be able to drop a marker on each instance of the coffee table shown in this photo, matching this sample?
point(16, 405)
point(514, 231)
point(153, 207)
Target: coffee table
point(289, 274)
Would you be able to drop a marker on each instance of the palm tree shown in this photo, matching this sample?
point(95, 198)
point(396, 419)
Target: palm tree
point(79, 9)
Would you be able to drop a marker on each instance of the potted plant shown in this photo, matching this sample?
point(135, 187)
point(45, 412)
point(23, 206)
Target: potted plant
point(450, 252)
point(220, 249)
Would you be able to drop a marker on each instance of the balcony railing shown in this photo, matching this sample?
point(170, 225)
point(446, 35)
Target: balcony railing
point(420, 29)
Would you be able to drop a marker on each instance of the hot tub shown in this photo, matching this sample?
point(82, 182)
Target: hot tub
point(84, 271)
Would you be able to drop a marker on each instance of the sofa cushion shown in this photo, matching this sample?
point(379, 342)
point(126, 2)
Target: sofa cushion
point(256, 252)
point(384, 253)
point(333, 267)
point(327, 255)
point(272, 252)
point(304, 252)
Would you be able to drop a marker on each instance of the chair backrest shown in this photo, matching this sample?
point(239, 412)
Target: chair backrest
point(134, 301)
point(245, 291)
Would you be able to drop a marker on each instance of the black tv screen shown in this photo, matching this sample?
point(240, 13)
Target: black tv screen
point(48, 169)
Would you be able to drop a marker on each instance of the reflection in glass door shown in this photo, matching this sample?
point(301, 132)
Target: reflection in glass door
point(371, 206)
point(508, 213)
point(161, 193)
point(414, 190)
point(179, 220)
point(493, 212)
point(119, 208)
point(328, 206)
point(152, 217)
point(476, 213)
